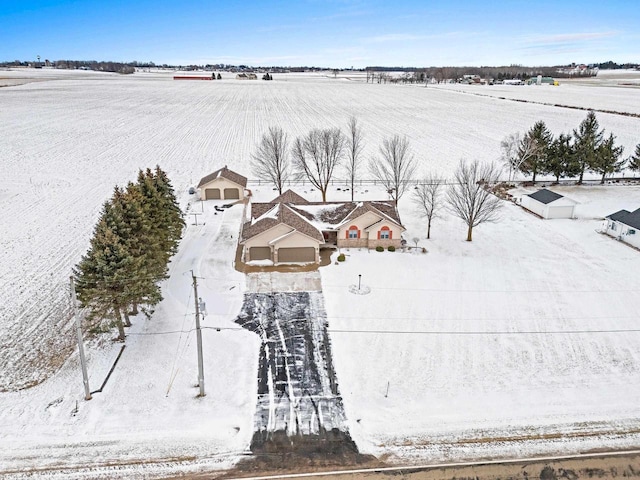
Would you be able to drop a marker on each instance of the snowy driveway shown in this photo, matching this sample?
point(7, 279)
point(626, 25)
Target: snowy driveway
point(298, 393)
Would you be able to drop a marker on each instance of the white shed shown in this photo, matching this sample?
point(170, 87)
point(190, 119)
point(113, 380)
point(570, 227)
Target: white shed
point(548, 204)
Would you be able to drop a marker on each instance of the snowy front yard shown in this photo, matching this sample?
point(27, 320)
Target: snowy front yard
point(530, 332)
point(524, 341)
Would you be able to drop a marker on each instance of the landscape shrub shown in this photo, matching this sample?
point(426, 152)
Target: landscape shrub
point(391, 248)
point(341, 257)
point(424, 250)
point(379, 248)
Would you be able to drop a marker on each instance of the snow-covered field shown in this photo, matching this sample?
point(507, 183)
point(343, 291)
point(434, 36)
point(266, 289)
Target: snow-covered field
point(67, 141)
point(617, 91)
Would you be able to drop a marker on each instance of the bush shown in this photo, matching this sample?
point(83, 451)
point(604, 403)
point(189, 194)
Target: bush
point(424, 250)
point(341, 257)
point(379, 248)
point(391, 248)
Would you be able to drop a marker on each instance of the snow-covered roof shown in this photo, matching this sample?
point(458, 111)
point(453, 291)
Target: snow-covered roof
point(224, 172)
point(313, 218)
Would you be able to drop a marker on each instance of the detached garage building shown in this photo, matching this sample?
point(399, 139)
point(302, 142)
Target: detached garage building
point(548, 204)
point(223, 184)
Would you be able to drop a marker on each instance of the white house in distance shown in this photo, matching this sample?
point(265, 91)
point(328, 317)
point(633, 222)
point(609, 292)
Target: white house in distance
point(223, 184)
point(625, 226)
point(548, 204)
point(289, 229)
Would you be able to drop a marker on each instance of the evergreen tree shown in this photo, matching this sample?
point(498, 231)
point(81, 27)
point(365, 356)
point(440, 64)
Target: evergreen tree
point(103, 274)
point(536, 141)
point(137, 237)
point(634, 160)
point(607, 160)
point(561, 158)
point(588, 139)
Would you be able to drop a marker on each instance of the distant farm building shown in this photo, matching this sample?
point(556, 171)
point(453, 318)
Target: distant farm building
point(548, 204)
point(223, 184)
point(246, 76)
point(194, 77)
point(540, 80)
point(624, 226)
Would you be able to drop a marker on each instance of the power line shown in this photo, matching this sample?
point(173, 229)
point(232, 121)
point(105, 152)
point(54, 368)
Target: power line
point(423, 332)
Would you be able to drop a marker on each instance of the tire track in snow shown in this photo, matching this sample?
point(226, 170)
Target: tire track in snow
point(299, 407)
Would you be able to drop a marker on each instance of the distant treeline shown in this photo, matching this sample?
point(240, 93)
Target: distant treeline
point(498, 73)
point(116, 67)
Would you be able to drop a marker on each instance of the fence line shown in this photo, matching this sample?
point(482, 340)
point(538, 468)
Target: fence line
point(445, 181)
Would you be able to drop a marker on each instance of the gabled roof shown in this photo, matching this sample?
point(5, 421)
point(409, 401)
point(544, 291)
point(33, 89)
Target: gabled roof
point(290, 197)
point(276, 215)
point(631, 219)
point(387, 210)
point(224, 172)
point(545, 196)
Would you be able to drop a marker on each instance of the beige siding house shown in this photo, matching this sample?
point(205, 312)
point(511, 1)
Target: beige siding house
point(223, 184)
point(291, 230)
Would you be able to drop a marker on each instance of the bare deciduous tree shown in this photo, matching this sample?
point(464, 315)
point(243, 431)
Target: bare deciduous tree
point(510, 146)
point(317, 155)
point(426, 197)
point(271, 162)
point(354, 150)
point(469, 197)
point(395, 167)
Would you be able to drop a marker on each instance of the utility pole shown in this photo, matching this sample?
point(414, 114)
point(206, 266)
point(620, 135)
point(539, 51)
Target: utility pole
point(198, 336)
point(83, 361)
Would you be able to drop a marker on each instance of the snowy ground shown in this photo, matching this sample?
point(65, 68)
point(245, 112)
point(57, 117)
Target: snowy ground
point(148, 411)
point(68, 139)
point(617, 91)
point(66, 142)
point(528, 334)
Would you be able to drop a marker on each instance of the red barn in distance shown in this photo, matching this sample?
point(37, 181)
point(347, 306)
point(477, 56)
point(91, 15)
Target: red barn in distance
point(194, 77)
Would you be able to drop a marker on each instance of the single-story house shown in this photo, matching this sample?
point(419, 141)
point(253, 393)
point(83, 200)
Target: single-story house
point(289, 229)
point(223, 184)
point(548, 204)
point(625, 226)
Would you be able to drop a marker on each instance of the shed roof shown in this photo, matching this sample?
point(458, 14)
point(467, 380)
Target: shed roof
point(224, 172)
point(545, 196)
point(631, 219)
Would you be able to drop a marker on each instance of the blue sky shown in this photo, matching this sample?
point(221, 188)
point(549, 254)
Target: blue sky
point(331, 33)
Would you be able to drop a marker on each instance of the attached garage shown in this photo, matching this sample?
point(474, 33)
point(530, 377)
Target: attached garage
point(231, 194)
point(259, 253)
point(212, 194)
point(297, 255)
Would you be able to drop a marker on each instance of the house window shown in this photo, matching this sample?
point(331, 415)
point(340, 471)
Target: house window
point(613, 226)
point(353, 232)
point(384, 234)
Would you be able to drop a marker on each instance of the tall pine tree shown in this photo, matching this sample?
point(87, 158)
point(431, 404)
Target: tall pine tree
point(138, 232)
point(561, 158)
point(536, 141)
point(634, 160)
point(103, 275)
point(607, 160)
point(588, 138)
